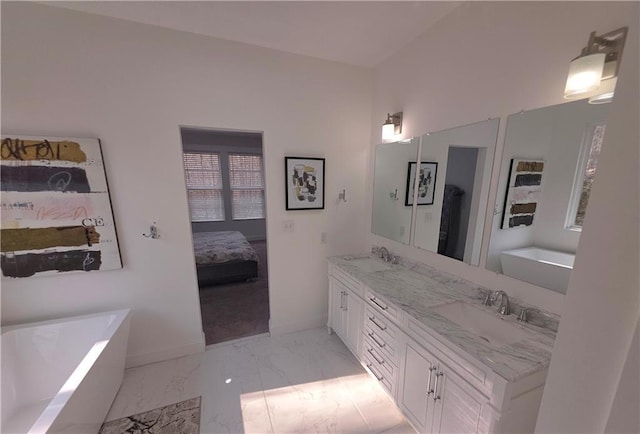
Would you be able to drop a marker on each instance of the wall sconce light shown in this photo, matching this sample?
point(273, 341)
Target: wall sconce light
point(392, 126)
point(595, 70)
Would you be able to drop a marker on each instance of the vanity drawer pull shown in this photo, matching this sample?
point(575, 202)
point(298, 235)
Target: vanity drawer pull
point(370, 351)
point(373, 337)
point(373, 320)
point(429, 389)
point(435, 388)
point(380, 378)
point(374, 301)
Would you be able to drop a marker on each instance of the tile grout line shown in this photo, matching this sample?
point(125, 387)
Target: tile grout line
point(264, 395)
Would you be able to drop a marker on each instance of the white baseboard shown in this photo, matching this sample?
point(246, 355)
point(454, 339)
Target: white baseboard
point(165, 354)
point(281, 329)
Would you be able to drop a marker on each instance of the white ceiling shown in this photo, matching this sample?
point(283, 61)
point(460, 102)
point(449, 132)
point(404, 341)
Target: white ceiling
point(362, 33)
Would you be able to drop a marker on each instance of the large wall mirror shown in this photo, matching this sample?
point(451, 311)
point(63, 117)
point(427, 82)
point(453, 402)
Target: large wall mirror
point(548, 165)
point(456, 172)
point(391, 212)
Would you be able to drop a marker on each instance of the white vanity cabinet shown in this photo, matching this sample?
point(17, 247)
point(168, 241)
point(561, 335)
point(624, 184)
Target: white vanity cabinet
point(437, 385)
point(435, 398)
point(346, 309)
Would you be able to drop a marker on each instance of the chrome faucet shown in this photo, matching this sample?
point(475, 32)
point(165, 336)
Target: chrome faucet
point(524, 313)
point(384, 254)
point(505, 307)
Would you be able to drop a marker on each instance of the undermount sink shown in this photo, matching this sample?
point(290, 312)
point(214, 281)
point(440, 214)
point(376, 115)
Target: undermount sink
point(488, 326)
point(370, 265)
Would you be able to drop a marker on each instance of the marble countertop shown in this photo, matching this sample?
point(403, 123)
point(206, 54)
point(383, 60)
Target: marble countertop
point(419, 290)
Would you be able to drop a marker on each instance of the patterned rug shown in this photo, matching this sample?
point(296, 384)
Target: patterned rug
point(180, 418)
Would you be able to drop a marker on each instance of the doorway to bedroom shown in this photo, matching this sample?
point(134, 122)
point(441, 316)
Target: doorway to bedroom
point(224, 174)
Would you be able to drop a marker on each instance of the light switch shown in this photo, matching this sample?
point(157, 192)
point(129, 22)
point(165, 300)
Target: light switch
point(323, 238)
point(427, 217)
point(287, 225)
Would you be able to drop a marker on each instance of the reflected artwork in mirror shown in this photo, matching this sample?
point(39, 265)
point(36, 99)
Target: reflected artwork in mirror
point(391, 217)
point(454, 223)
point(535, 230)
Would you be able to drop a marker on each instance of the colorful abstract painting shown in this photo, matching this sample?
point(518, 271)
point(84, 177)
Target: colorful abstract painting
point(523, 193)
point(56, 211)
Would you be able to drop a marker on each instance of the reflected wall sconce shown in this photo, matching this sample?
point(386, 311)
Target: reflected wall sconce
point(392, 126)
point(594, 72)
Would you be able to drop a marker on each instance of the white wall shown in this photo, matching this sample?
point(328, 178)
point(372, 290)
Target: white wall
point(487, 59)
point(624, 416)
point(602, 305)
point(132, 85)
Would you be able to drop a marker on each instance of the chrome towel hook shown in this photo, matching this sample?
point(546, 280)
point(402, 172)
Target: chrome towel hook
point(153, 232)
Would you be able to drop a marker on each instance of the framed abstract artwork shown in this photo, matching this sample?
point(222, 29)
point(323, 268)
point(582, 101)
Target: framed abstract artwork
point(304, 183)
point(426, 183)
point(523, 193)
point(56, 210)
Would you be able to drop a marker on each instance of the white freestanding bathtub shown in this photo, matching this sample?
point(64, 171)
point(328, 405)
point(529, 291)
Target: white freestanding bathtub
point(542, 267)
point(61, 376)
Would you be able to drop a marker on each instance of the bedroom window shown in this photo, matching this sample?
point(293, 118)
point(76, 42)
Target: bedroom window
point(204, 186)
point(585, 175)
point(247, 186)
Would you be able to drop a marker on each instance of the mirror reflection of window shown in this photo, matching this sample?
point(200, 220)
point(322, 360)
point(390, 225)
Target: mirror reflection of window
point(586, 175)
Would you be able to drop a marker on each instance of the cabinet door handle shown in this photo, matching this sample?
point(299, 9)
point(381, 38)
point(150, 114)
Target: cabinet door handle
point(341, 300)
point(373, 320)
point(373, 300)
point(429, 389)
point(374, 373)
point(370, 351)
point(346, 300)
point(435, 389)
point(373, 337)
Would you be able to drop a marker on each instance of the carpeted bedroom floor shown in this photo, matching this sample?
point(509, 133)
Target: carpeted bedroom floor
point(237, 310)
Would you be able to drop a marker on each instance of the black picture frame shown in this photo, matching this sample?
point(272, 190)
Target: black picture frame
point(427, 189)
point(304, 183)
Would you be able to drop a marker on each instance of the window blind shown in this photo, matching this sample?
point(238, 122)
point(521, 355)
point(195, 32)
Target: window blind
point(204, 186)
point(247, 186)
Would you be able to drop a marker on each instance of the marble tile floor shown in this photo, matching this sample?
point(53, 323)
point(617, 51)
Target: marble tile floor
point(304, 382)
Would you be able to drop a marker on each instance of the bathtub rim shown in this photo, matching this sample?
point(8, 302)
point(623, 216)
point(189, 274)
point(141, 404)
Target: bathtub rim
point(55, 406)
point(516, 253)
point(8, 328)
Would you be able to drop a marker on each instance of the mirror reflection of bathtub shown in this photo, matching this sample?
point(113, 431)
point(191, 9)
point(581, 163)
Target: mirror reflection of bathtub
point(542, 267)
point(565, 138)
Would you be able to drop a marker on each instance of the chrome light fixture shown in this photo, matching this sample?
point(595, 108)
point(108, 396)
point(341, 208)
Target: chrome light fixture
point(392, 126)
point(595, 70)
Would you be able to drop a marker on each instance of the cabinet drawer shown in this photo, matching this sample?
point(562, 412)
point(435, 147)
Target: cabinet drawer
point(347, 280)
point(385, 364)
point(386, 381)
point(382, 343)
point(382, 306)
point(380, 324)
